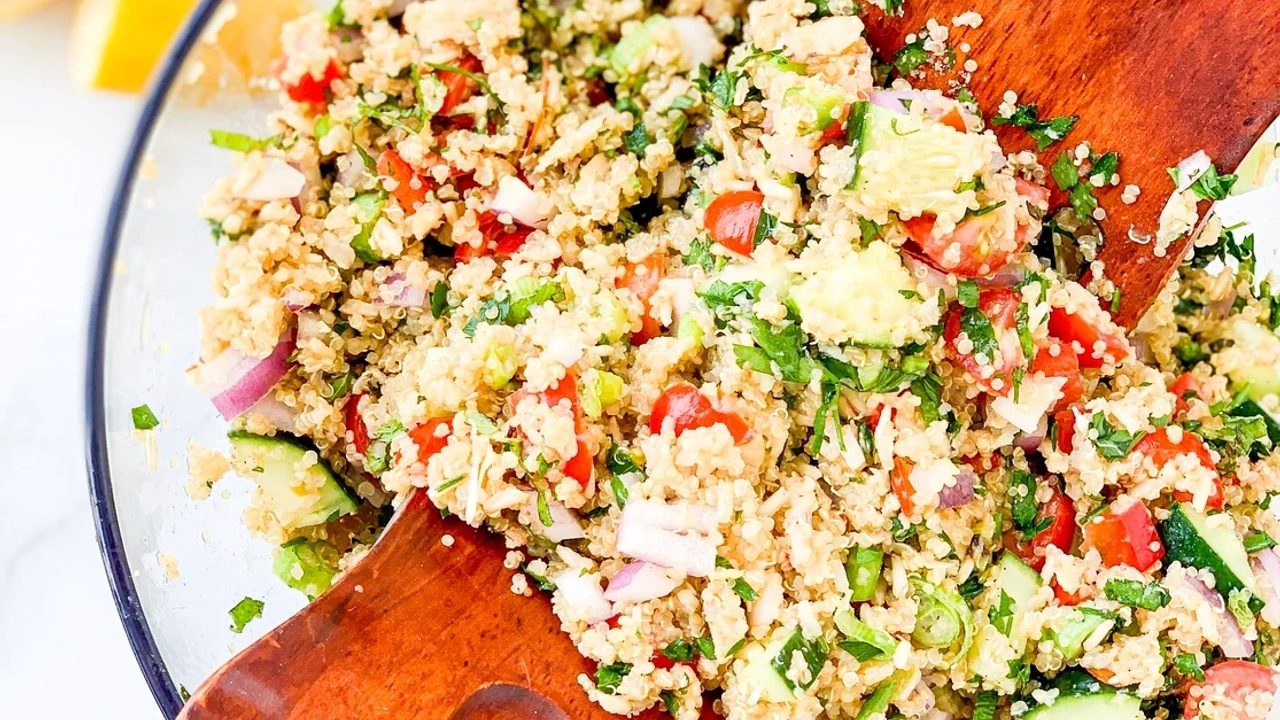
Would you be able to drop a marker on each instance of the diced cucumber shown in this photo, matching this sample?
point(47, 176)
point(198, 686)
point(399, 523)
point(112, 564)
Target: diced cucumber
point(863, 567)
point(1262, 347)
point(1083, 623)
point(930, 162)
point(368, 208)
point(1099, 706)
point(273, 462)
point(759, 672)
point(1018, 579)
point(625, 54)
point(826, 105)
point(307, 566)
point(1190, 537)
point(1250, 408)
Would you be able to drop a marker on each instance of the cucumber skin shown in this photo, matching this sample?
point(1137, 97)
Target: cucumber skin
point(1098, 706)
point(1182, 542)
point(346, 501)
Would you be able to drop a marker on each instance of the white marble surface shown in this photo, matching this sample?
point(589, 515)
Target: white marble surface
point(63, 653)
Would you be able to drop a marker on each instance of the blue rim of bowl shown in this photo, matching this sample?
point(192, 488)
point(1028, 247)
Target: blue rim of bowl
point(119, 574)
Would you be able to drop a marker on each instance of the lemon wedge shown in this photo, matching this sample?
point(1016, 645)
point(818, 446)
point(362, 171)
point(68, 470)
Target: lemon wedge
point(13, 9)
point(117, 43)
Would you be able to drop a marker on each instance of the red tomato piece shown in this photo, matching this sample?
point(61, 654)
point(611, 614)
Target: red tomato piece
point(1063, 365)
point(836, 132)
point(1236, 680)
point(1162, 450)
point(355, 423)
point(1000, 305)
point(976, 257)
point(900, 482)
point(1069, 599)
point(954, 119)
point(1071, 328)
point(1124, 536)
point(1061, 532)
point(1034, 194)
point(662, 661)
point(458, 87)
point(429, 438)
point(1187, 386)
point(582, 464)
point(498, 239)
point(598, 92)
point(642, 280)
point(731, 220)
point(689, 409)
point(308, 88)
point(1066, 422)
point(391, 165)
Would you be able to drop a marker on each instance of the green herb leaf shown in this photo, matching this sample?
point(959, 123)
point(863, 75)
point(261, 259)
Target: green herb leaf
point(1186, 664)
point(1212, 186)
point(977, 327)
point(679, 650)
point(1065, 173)
point(545, 585)
point(1044, 132)
point(245, 612)
point(743, 589)
point(670, 702)
point(242, 143)
point(814, 653)
point(339, 386)
point(706, 648)
point(910, 58)
point(1255, 542)
point(451, 482)
point(1112, 443)
point(1135, 594)
point(1022, 499)
point(984, 707)
point(609, 676)
point(439, 299)
point(143, 418)
point(764, 228)
point(1001, 615)
point(861, 651)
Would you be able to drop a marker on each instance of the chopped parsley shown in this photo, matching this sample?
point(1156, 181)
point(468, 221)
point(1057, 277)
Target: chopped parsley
point(245, 611)
point(1210, 185)
point(910, 58)
point(1134, 594)
point(1186, 664)
point(1254, 542)
point(977, 327)
point(609, 676)
point(1001, 615)
point(1022, 501)
point(542, 583)
point(242, 143)
point(1044, 132)
point(680, 650)
point(143, 418)
point(339, 387)
point(1112, 443)
point(814, 653)
point(439, 299)
point(670, 702)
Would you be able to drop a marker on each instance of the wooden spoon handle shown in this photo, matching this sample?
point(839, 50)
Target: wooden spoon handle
point(1155, 80)
point(415, 630)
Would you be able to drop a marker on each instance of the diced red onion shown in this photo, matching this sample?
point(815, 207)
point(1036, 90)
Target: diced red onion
point(639, 581)
point(348, 43)
point(1220, 309)
point(1035, 400)
point(278, 180)
point(893, 99)
point(1232, 639)
point(519, 201)
point(1007, 276)
point(564, 524)
point(235, 381)
point(698, 42)
point(1142, 347)
point(1266, 564)
point(281, 416)
point(675, 516)
point(795, 157)
point(1190, 169)
point(583, 593)
point(690, 553)
point(402, 293)
point(296, 300)
point(961, 493)
point(1031, 441)
point(928, 275)
point(351, 170)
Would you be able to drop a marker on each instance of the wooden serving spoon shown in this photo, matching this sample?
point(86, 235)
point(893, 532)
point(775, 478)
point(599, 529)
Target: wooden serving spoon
point(424, 631)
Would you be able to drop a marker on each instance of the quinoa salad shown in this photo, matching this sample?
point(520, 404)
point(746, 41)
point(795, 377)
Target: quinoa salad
point(784, 384)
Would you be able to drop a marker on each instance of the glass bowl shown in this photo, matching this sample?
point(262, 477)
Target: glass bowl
point(153, 276)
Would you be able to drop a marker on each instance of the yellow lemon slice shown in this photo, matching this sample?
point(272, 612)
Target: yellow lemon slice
point(117, 43)
point(12, 9)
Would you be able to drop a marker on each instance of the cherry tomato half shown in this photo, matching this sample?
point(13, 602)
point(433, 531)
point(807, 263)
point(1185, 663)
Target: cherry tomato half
point(1056, 360)
point(1185, 387)
point(1124, 536)
point(1162, 450)
point(1060, 533)
point(1071, 328)
point(308, 88)
point(355, 423)
point(1235, 680)
point(642, 280)
point(458, 87)
point(429, 437)
point(975, 257)
point(731, 220)
point(497, 239)
point(1065, 420)
point(689, 409)
point(565, 393)
point(1000, 306)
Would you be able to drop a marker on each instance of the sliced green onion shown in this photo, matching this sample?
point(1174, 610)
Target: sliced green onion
point(878, 701)
point(947, 615)
point(600, 389)
point(500, 365)
point(861, 633)
point(368, 208)
point(633, 45)
point(863, 567)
